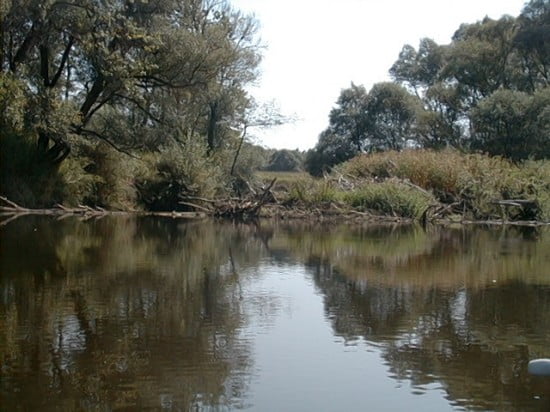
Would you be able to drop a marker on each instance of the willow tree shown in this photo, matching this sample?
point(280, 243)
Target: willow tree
point(132, 74)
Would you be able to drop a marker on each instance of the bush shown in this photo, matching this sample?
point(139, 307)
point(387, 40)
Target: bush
point(24, 177)
point(312, 192)
point(389, 198)
point(176, 172)
point(98, 175)
point(285, 161)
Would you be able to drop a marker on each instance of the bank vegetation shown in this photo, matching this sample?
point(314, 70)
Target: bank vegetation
point(142, 106)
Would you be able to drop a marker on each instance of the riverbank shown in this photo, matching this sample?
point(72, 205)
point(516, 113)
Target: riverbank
point(424, 186)
point(421, 186)
point(330, 213)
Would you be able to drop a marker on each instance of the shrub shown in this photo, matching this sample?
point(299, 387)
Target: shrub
point(310, 192)
point(390, 198)
point(165, 177)
point(24, 177)
point(285, 161)
point(98, 175)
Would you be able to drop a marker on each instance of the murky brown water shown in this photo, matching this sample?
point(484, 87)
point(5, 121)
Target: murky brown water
point(158, 314)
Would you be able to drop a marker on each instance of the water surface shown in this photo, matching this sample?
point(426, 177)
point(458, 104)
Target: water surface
point(162, 314)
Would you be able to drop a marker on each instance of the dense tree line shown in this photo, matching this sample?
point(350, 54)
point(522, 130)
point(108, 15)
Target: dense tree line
point(487, 90)
point(83, 82)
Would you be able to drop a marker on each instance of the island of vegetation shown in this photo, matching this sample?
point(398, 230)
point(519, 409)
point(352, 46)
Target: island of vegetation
point(143, 106)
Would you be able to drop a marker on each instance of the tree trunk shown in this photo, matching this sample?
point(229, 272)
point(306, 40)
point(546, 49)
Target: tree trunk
point(212, 123)
point(238, 152)
point(54, 155)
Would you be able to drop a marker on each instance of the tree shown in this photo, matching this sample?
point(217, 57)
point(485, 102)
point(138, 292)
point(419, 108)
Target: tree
point(348, 119)
point(330, 150)
point(418, 70)
point(116, 59)
point(136, 75)
point(285, 161)
point(385, 118)
point(532, 40)
point(391, 112)
point(513, 124)
point(483, 58)
point(258, 116)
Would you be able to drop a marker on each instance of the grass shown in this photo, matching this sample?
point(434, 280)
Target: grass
point(405, 184)
point(389, 198)
point(476, 182)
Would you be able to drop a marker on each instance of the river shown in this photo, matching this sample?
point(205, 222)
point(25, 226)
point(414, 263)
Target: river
point(126, 313)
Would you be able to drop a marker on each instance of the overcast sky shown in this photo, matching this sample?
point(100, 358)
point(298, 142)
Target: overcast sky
point(315, 48)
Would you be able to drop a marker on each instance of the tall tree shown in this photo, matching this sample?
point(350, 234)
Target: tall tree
point(513, 124)
point(113, 62)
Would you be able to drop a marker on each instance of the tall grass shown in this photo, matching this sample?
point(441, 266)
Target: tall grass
point(476, 181)
point(389, 198)
point(312, 192)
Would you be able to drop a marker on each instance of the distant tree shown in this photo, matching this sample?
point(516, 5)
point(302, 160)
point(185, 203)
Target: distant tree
point(330, 150)
point(256, 116)
point(385, 118)
point(532, 40)
point(285, 161)
point(391, 113)
point(419, 70)
point(349, 119)
point(482, 59)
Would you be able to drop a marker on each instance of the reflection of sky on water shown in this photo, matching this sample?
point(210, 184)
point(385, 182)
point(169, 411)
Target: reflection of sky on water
point(71, 340)
point(301, 365)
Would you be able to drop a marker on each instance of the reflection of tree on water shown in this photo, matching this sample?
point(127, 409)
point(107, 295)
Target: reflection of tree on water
point(123, 313)
point(473, 340)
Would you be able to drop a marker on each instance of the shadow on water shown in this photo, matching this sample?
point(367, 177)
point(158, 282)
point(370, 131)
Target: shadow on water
point(123, 313)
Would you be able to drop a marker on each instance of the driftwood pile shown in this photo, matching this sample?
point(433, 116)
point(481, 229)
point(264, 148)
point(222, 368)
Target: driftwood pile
point(234, 208)
point(10, 211)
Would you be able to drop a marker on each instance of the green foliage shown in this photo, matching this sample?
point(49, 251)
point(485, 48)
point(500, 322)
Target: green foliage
point(389, 198)
point(312, 192)
point(97, 175)
point(285, 161)
point(391, 112)
point(330, 150)
point(513, 124)
point(488, 90)
point(385, 118)
point(251, 158)
point(176, 172)
point(137, 76)
point(24, 176)
point(12, 102)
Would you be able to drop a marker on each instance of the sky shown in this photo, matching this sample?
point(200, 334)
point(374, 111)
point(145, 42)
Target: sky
point(316, 48)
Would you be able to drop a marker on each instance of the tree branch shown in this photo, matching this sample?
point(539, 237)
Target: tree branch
point(30, 40)
point(44, 64)
point(93, 95)
point(106, 140)
point(64, 59)
point(139, 106)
